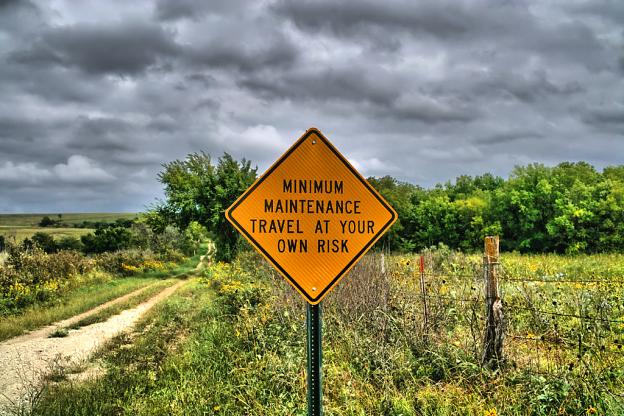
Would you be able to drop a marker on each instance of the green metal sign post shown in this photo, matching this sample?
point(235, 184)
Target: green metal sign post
point(315, 360)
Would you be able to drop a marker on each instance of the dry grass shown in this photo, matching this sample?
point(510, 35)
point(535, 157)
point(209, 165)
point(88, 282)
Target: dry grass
point(32, 220)
point(19, 233)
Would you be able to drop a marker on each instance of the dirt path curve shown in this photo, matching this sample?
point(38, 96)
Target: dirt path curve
point(47, 330)
point(24, 360)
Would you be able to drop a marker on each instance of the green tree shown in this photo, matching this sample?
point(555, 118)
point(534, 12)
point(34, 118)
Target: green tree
point(189, 190)
point(69, 243)
point(231, 180)
point(107, 239)
point(45, 241)
point(194, 234)
point(401, 196)
point(46, 222)
point(196, 190)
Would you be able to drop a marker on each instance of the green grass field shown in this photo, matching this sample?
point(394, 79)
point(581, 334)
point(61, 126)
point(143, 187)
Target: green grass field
point(32, 220)
point(21, 226)
point(20, 233)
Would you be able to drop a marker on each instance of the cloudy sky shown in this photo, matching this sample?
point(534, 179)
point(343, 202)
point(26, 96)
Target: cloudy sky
point(96, 95)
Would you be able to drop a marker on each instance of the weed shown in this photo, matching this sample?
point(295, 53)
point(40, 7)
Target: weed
point(60, 332)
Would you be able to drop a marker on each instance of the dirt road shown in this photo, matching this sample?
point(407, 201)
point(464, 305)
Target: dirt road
point(24, 360)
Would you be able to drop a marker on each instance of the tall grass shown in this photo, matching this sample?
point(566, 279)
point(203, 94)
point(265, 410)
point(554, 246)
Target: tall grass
point(234, 344)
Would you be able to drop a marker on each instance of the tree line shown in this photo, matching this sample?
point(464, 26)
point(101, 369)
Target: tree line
point(569, 208)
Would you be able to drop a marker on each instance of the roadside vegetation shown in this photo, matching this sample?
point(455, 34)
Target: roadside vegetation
point(233, 343)
point(42, 281)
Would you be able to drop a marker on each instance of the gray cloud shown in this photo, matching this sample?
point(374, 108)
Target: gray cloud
point(97, 95)
point(232, 53)
point(196, 9)
point(127, 48)
point(442, 19)
point(600, 116)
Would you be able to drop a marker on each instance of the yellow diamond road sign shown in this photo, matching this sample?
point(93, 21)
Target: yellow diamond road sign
point(312, 215)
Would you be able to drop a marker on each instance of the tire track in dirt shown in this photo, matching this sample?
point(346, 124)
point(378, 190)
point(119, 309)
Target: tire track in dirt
point(48, 329)
point(26, 359)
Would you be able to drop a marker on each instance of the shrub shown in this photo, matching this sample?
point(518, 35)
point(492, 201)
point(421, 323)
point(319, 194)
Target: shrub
point(45, 241)
point(107, 239)
point(70, 243)
point(31, 275)
point(46, 222)
point(235, 287)
point(118, 262)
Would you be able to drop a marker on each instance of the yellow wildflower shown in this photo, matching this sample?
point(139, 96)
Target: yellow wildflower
point(490, 412)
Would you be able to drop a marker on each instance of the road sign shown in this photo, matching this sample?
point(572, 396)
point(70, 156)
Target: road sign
point(312, 215)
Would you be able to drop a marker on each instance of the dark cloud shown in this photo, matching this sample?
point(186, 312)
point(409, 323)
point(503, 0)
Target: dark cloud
point(612, 10)
point(443, 19)
point(506, 137)
point(195, 9)
point(610, 116)
point(327, 84)
point(526, 87)
point(607, 120)
point(127, 48)
point(108, 134)
point(97, 95)
point(233, 53)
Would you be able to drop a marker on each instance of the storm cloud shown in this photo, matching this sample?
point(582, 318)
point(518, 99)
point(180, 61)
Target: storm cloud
point(97, 95)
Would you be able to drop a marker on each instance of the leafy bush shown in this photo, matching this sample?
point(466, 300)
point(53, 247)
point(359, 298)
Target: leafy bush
point(45, 241)
point(46, 222)
point(235, 287)
point(107, 239)
point(69, 243)
point(29, 275)
point(131, 262)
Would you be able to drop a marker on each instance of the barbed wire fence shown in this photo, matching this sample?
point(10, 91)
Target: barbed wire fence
point(551, 326)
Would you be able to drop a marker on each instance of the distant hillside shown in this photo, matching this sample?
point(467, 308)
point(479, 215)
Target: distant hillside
point(33, 220)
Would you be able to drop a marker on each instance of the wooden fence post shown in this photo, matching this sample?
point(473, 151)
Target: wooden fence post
point(494, 332)
point(383, 264)
point(423, 291)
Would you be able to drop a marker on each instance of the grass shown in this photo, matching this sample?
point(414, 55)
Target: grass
point(32, 220)
point(19, 233)
point(233, 343)
point(60, 332)
point(21, 226)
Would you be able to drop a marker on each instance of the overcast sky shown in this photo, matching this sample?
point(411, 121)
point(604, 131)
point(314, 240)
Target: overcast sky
point(96, 95)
